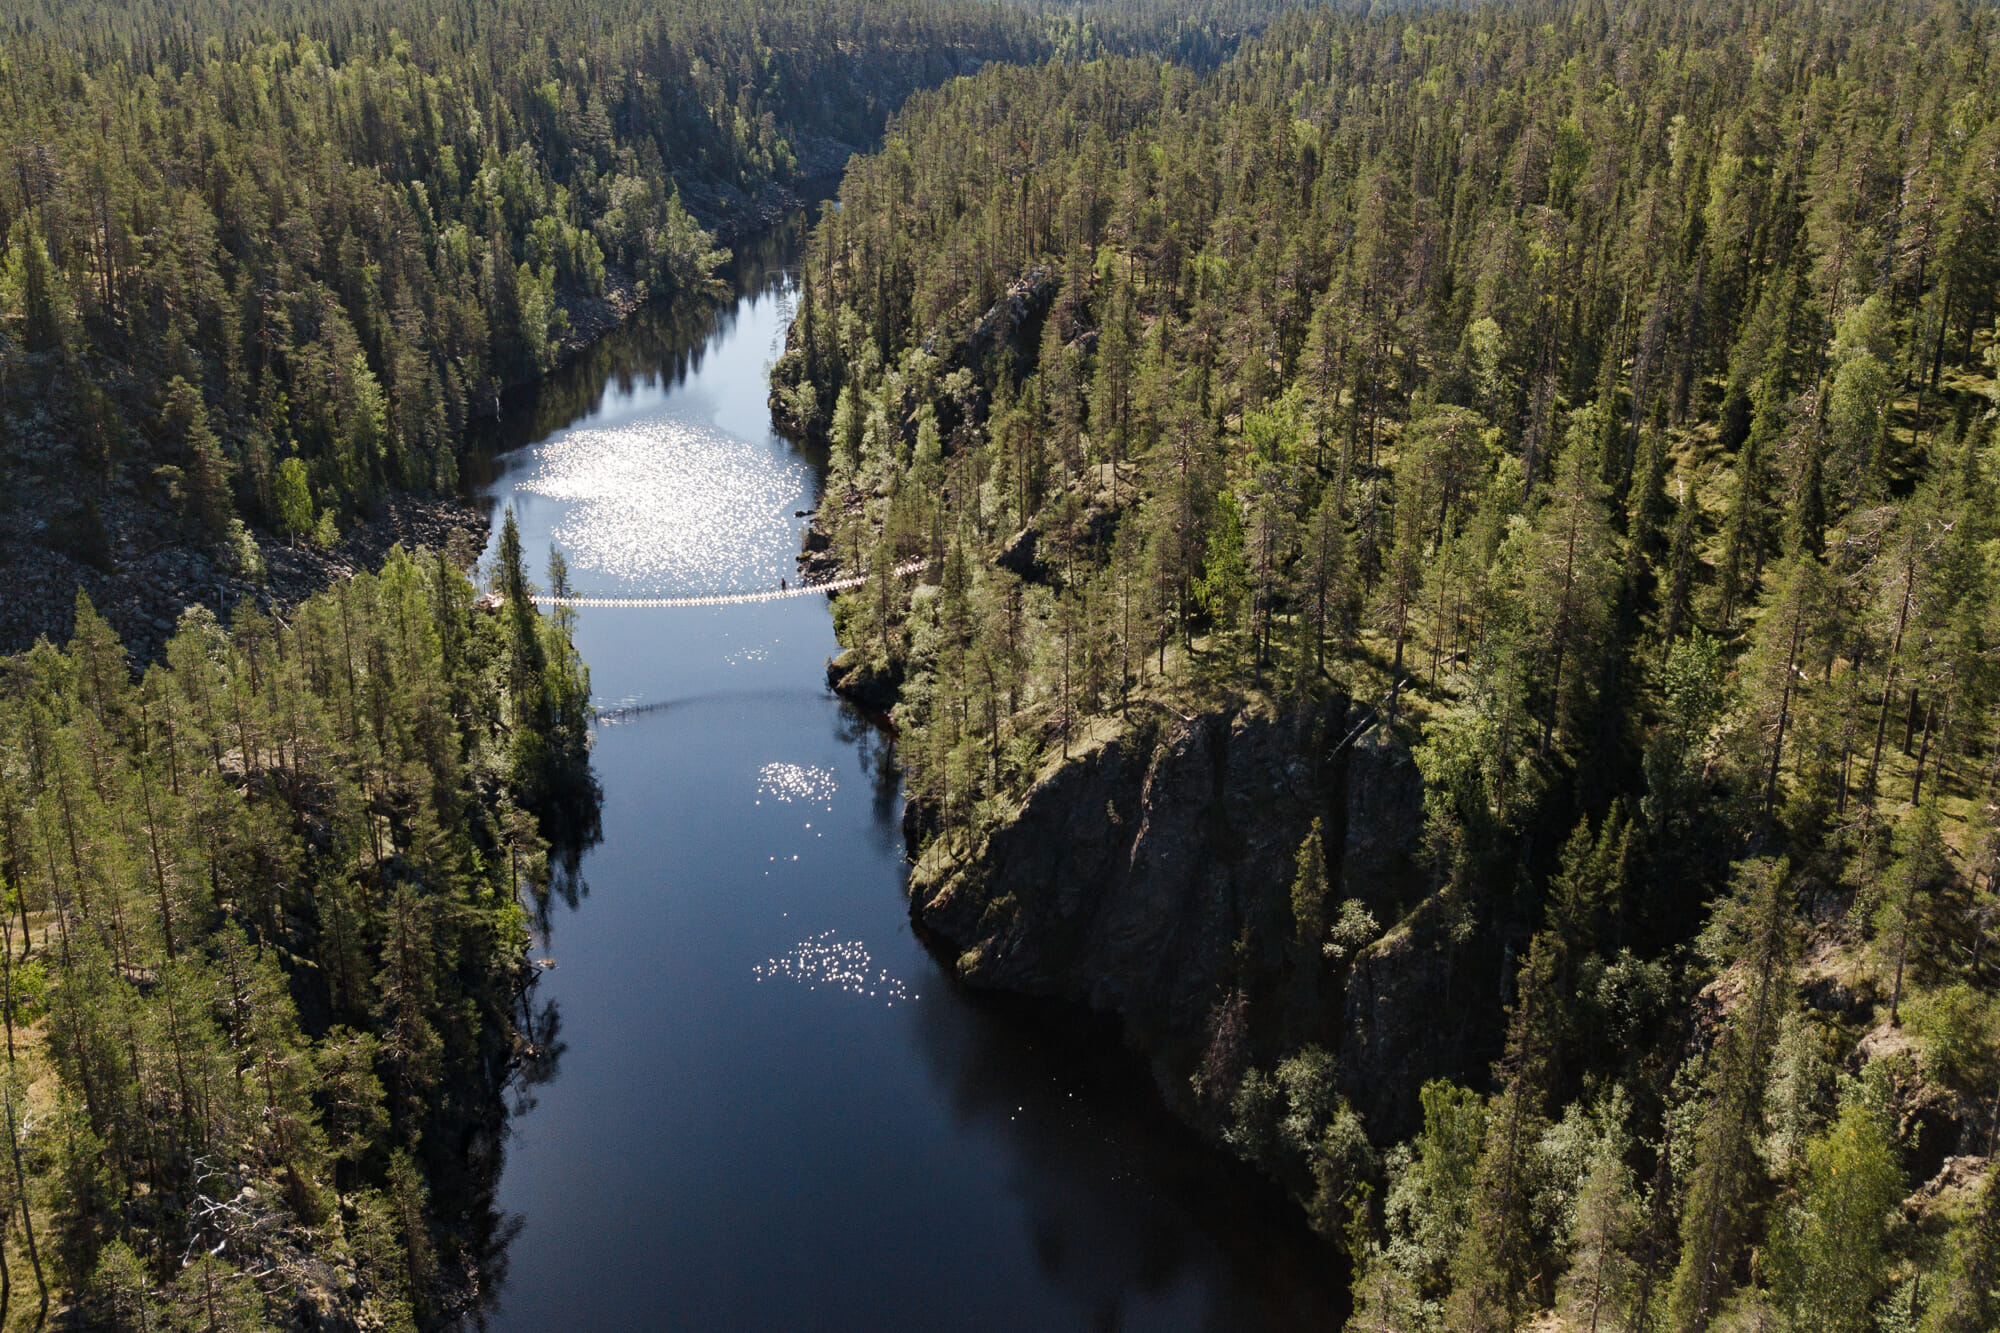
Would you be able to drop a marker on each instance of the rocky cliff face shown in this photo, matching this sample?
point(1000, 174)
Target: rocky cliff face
point(141, 571)
point(1149, 876)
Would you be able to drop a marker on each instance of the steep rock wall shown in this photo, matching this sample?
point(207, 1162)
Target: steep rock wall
point(1149, 875)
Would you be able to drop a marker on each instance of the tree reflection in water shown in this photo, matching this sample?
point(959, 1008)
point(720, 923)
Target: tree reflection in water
point(1136, 1220)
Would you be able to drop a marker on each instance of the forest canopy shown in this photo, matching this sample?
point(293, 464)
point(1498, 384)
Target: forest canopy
point(263, 890)
point(261, 264)
point(263, 962)
point(268, 262)
point(1597, 401)
point(1590, 405)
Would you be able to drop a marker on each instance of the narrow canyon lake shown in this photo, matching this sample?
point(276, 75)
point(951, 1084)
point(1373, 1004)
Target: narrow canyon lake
point(767, 1106)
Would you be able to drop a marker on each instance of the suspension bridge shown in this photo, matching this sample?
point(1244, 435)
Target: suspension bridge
point(903, 570)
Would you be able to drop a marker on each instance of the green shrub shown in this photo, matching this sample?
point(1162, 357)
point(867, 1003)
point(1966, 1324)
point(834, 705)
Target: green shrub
point(1958, 1030)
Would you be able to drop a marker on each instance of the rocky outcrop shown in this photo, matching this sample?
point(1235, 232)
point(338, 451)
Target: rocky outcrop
point(733, 215)
point(1149, 875)
point(1405, 1021)
point(1017, 557)
point(591, 317)
point(865, 684)
point(816, 559)
point(1010, 323)
point(1101, 492)
point(141, 573)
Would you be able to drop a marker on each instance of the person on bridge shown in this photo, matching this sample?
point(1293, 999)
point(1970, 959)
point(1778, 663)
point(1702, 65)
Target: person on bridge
point(782, 585)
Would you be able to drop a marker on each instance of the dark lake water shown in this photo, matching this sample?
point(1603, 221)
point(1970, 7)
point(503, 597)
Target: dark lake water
point(772, 1109)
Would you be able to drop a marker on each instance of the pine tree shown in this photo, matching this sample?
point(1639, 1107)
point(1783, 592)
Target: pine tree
point(1567, 584)
point(207, 470)
point(1325, 582)
point(43, 322)
point(1921, 871)
point(1492, 1264)
point(525, 657)
point(1597, 1289)
point(1786, 647)
point(1676, 599)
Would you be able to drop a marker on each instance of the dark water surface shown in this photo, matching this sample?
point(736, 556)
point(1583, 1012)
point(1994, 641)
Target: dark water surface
point(771, 1109)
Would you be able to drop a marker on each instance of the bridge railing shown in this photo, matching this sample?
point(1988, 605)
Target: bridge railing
point(903, 570)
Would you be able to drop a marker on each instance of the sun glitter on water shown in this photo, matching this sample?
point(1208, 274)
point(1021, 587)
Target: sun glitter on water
point(796, 782)
point(670, 507)
point(836, 964)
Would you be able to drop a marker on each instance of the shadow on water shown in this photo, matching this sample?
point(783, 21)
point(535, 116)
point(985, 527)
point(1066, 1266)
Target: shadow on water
point(1127, 1209)
point(468, 1151)
point(877, 754)
point(565, 885)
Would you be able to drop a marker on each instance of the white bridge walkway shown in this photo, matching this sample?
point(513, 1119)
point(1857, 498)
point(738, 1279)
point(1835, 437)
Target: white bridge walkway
point(727, 598)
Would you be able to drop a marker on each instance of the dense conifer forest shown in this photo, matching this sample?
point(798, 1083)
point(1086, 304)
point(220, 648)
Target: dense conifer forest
point(278, 257)
point(264, 888)
point(264, 965)
point(266, 884)
point(1597, 400)
point(1590, 407)
point(263, 263)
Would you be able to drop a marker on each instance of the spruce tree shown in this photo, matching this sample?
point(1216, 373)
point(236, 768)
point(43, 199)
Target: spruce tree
point(1754, 934)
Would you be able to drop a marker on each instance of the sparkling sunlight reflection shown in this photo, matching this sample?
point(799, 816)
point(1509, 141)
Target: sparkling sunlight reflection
point(670, 505)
